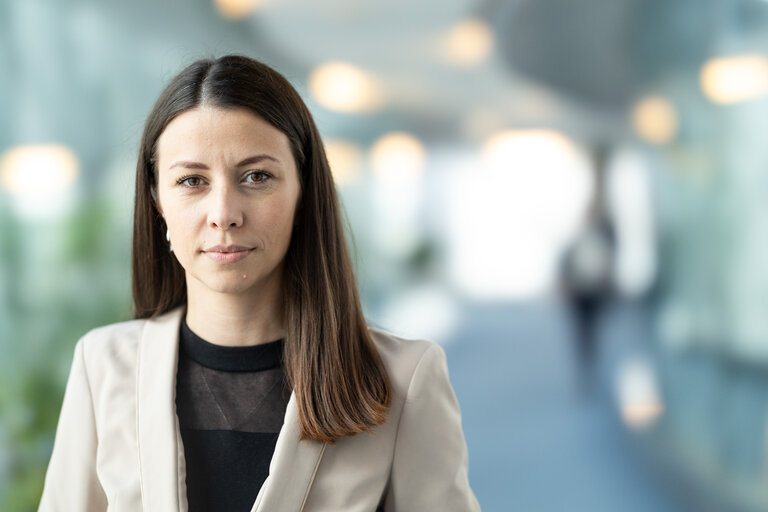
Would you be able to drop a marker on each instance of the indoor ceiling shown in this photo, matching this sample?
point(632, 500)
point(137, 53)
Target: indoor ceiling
point(574, 66)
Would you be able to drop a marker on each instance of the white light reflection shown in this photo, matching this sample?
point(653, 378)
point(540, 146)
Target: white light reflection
point(638, 394)
point(512, 212)
point(631, 204)
point(39, 177)
point(398, 161)
point(425, 312)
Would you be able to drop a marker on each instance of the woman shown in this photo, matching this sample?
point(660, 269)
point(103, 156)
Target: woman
point(249, 379)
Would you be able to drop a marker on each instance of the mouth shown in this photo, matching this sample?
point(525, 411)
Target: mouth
point(227, 254)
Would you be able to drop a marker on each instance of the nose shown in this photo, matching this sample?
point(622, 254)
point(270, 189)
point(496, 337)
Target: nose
point(224, 210)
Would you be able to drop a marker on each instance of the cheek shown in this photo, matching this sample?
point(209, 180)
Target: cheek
point(279, 223)
point(181, 221)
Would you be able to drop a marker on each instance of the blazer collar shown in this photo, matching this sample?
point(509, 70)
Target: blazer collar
point(161, 454)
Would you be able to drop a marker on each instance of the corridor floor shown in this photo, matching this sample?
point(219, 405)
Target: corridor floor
point(537, 442)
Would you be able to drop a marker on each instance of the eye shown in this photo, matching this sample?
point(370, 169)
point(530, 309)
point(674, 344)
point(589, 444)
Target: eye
point(190, 181)
point(257, 177)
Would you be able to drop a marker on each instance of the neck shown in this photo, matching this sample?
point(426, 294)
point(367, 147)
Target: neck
point(235, 319)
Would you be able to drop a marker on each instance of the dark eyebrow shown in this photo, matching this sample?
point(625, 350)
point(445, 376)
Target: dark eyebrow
point(256, 159)
point(250, 160)
point(188, 165)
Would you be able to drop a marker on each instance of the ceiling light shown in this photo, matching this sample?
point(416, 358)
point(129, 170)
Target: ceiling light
point(38, 176)
point(655, 120)
point(236, 9)
point(345, 159)
point(728, 80)
point(468, 43)
point(345, 88)
point(398, 156)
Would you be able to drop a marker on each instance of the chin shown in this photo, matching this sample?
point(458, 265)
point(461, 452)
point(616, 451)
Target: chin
point(232, 281)
point(233, 287)
point(232, 284)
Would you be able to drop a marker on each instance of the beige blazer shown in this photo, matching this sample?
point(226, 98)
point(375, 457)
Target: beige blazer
point(118, 446)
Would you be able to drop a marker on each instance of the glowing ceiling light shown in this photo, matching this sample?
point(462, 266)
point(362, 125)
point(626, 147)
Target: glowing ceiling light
point(344, 87)
point(398, 156)
point(734, 79)
point(525, 148)
point(236, 9)
point(345, 159)
point(38, 176)
point(468, 43)
point(655, 120)
point(38, 170)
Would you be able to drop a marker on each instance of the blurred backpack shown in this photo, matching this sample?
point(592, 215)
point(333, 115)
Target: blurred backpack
point(588, 265)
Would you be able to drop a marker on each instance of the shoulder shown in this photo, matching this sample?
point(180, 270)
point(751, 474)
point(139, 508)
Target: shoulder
point(121, 339)
point(404, 357)
point(109, 345)
point(110, 356)
point(429, 453)
point(114, 332)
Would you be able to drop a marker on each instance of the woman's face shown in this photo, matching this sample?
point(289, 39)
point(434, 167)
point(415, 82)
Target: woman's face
point(227, 187)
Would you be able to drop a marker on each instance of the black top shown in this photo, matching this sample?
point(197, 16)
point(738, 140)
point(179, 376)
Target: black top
point(230, 402)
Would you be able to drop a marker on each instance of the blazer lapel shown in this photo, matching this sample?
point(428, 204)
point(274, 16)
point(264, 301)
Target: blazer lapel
point(159, 453)
point(293, 468)
point(294, 462)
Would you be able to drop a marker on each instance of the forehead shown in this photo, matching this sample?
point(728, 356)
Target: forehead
point(219, 132)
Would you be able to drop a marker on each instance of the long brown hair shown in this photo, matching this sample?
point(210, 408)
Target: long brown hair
point(336, 373)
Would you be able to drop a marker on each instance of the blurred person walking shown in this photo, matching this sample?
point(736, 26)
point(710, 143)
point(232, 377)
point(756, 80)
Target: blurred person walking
point(587, 277)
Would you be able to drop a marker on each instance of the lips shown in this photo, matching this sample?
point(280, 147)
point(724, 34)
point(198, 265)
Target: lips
point(226, 254)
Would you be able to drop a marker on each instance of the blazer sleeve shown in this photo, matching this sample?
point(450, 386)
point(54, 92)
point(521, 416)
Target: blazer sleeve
point(430, 463)
point(71, 482)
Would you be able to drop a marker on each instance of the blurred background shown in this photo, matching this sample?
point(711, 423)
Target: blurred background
point(569, 196)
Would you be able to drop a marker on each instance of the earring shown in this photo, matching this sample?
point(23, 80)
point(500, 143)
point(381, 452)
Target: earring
point(168, 239)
